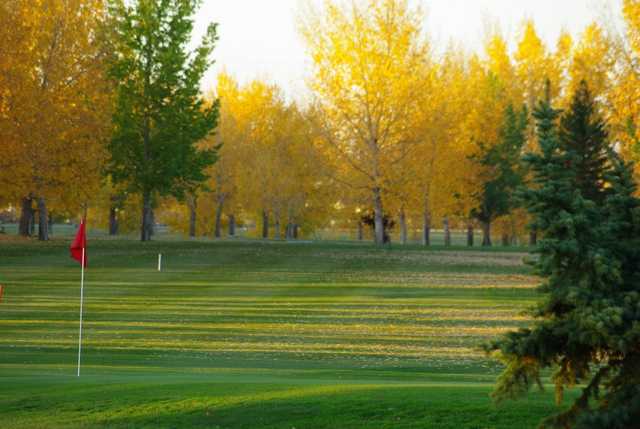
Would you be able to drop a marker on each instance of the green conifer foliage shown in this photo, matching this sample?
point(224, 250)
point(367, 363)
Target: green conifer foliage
point(585, 136)
point(587, 327)
point(503, 171)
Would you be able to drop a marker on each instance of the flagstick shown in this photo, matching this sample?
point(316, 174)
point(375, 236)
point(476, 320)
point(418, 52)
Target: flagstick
point(81, 300)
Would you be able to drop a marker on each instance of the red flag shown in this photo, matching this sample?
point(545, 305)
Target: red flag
point(80, 244)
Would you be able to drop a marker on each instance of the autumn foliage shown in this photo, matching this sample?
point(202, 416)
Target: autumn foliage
point(394, 124)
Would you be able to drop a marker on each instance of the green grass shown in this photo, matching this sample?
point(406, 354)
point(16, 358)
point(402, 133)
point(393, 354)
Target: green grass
point(250, 335)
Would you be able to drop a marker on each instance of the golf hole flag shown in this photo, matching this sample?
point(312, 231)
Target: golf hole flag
point(79, 253)
point(79, 245)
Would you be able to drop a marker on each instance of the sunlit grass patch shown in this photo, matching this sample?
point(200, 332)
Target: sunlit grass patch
point(235, 328)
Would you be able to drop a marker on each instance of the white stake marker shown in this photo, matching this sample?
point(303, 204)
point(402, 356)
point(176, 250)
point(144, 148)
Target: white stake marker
point(159, 261)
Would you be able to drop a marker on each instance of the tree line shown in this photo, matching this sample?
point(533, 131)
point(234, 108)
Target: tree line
point(101, 111)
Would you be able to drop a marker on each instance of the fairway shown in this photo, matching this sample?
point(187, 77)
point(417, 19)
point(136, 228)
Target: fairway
point(246, 334)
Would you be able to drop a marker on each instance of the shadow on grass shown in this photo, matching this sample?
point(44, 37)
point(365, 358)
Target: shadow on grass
point(354, 406)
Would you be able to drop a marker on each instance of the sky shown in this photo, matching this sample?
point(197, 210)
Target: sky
point(258, 38)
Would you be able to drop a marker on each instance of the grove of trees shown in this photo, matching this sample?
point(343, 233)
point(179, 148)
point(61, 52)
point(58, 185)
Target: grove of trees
point(102, 112)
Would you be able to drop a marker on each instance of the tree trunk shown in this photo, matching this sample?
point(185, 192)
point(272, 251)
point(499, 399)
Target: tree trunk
point(403, 226)
point(506, 240)
point(360, 231)
point(426, 230)
point(447, 232)
point(147, 205)
point(378, 217)
point(193, 215)
point(470, 235)
point(232, 226)
point(514, 232)
point(426, 224)
point(147, 217)
point(113, 220)
point(265, 224)
point(152, 223)
point(217, 231)
point(26, 217)
point(486, 234)
point(43, 220)
point(533, 237)
point(295, 231)
point(276, 225)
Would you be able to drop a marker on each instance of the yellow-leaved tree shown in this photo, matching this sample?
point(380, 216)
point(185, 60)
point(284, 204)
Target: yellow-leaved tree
point(592, 61)
point(437, 171)
point(369, 60)
point(624, 119)
point(54, 108)
point(221, 195)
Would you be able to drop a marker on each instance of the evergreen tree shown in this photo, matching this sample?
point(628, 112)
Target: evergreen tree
point(160, 114)
point(503, 171)
point(588, 325)
point(584, 136)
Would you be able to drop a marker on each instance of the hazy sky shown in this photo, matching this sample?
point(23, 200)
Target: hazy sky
point(258, 38)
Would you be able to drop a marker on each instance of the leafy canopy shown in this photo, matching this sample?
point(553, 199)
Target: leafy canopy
point(160, 114)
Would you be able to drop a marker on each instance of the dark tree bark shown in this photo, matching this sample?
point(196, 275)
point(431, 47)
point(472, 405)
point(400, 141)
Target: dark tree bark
point(117, 201)
point(533, 237)
point(470, 235)
point(193, 215)
point(378, 217)
point(265, 224)
point(447, 232)
point(506, 240)
point(232, 225)
point(276, 225)
point(288, 229)
point(360, 231)
point(26, 217)
point(486, 234)
point(426, 223)
point(295, 231)
point(217, 230)
point(43, 220)
point(147, 217)
point(113, 220)
point(147, 210)
point(403, 227)
point(152, 225)
point(426, 230)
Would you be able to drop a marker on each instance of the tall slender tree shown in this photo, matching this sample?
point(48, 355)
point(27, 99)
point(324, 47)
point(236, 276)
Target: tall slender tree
point(503, 172)
point(369, 60)
point(160, 114)
point(583, 135)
